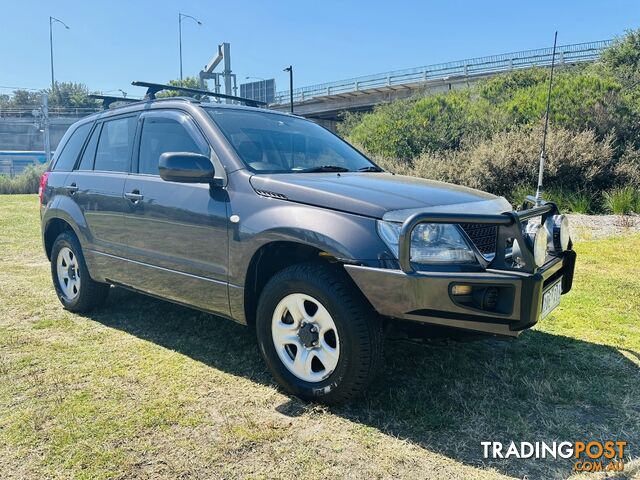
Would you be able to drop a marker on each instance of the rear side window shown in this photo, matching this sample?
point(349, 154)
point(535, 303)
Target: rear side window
point(174, 133)
point(71, 150)
point(114, 146)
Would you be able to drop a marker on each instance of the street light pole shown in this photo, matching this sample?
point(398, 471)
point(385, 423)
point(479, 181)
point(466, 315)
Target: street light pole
point(180, 17)
point(290, 70)
point(51, 20)
point(45, 127)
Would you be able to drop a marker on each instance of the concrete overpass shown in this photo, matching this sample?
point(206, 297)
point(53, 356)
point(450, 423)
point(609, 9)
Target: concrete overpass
point(326, 102)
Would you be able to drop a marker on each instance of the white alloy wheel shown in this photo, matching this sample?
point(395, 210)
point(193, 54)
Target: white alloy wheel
point(305, 337)
point(68, 272)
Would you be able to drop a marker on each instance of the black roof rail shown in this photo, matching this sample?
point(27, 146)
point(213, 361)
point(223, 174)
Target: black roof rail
point(154, 88)
point(107, 100)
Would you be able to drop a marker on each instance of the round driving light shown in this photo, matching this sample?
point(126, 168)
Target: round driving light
point(538, 238)
point(558, 231)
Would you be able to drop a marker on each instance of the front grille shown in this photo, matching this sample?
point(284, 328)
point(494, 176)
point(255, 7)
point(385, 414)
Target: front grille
point(483, 236)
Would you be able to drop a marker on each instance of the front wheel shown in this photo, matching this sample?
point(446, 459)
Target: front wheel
point(319, 337)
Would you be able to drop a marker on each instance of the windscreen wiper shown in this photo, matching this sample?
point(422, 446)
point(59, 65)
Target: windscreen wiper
point(370, 168)
point(323, 168)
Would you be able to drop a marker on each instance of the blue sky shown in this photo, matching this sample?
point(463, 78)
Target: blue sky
point(113, 42)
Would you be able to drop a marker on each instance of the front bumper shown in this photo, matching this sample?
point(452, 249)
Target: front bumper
point(427, 297)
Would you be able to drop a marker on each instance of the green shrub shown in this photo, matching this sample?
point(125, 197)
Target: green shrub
point(627, 169)
point(519, 193)
point(27, 182)
point(621, 201)
point(488, 136)
point(576, 162)
point(580, 202)
point(571, 201)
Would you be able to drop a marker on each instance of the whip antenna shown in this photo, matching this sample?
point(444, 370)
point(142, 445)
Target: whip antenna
point(543, 150)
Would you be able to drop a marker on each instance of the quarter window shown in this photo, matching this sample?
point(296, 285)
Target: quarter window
point(89, 155)
point(175, 133)
point(114, 147)
point(69, 154)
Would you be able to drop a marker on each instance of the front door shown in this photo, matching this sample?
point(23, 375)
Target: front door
point(176, 232)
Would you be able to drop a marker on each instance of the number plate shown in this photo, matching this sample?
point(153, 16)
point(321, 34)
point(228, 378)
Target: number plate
point(551, 298)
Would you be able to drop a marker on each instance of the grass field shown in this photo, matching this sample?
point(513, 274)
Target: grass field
point(144, 388)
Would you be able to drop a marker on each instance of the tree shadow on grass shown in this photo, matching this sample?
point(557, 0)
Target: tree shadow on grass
point(445, 396)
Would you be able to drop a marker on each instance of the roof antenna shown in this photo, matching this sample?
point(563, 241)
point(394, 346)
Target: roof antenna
point(543, 150)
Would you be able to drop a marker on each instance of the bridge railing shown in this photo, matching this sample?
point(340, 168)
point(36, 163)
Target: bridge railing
point(33, 111)
point(565, 54)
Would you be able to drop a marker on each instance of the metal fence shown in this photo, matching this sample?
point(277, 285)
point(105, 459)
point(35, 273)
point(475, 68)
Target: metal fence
point(13, 163)
point(33, 111)
point(565, 54)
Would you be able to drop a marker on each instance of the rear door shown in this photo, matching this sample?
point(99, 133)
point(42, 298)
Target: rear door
point(97, 186)
point(66, 157)
point(176, 232)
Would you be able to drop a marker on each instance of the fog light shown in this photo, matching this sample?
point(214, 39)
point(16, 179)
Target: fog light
point(461, 290)
point(486, 298)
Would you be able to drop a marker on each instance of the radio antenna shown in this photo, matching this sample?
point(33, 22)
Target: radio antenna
point(543, 150)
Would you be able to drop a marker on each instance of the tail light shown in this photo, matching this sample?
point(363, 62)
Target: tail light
point(43, 185)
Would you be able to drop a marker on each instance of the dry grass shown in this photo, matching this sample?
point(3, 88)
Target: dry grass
point(147, 389)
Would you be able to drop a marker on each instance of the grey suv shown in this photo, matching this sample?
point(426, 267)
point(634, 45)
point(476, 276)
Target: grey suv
point(274, 222)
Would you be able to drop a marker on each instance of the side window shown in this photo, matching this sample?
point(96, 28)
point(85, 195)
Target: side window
point(114, 146)
point(173, 133)
point(89, 155)
point(69, 154)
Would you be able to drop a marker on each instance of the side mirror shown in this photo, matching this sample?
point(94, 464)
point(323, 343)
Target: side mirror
point(186, 167)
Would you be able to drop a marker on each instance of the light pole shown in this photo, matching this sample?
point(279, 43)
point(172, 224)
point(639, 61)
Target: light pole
point(263, 87)
point(290, 70)
point(180, 17)
point(51, 20)
point(124, 94)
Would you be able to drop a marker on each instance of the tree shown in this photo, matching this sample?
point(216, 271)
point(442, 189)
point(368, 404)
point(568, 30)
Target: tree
point(189, 82)
point(20, 98)
point(70, 95)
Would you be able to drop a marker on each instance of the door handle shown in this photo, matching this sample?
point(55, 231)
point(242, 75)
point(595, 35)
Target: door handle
point(73, 188)
point(135, 196)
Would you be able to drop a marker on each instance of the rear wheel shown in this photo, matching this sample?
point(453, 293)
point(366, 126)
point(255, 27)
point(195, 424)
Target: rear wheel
point(75, 288)
point(318, 336)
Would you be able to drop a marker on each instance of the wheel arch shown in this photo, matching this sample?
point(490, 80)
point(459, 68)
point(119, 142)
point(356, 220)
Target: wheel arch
point(64, 210)
point(269, 259)
point(53, 228)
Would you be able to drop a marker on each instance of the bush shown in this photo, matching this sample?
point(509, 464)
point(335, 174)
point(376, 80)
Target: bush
point(622, 201)
point(27, 182)
point(571, 201)
point(488, 137)
point(576, 162)
point(627, 169)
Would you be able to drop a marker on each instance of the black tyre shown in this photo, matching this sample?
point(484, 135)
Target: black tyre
point(320, 339)
point(75, 288)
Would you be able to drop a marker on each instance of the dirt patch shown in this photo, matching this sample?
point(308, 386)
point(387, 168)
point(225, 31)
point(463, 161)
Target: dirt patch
point(595, 227)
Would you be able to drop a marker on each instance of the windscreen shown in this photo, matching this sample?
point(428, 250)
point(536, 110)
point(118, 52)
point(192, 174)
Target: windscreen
point(273, 143)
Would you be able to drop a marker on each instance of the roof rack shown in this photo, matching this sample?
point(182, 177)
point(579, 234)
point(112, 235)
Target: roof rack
point(154, 88)
point(107, 100)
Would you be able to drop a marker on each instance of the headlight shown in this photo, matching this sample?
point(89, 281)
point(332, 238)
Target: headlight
point(537, 236)
point(430, 243)
point(557, 228)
